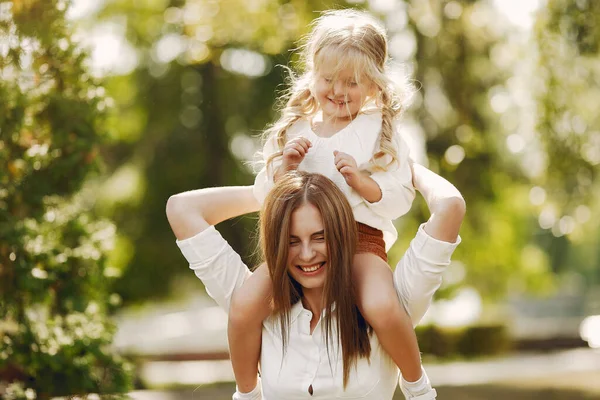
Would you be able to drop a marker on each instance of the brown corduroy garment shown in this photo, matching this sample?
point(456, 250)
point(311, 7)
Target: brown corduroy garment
point(370, 240)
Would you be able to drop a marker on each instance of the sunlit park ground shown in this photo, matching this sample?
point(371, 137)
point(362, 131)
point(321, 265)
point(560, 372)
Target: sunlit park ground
point(480, 392)
point(197, 372)
point(580, 386)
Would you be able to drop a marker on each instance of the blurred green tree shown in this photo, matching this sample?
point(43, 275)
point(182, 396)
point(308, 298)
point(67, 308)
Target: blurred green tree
point(54, 299)
point(205, 81)
point(188, 116)
point(459, 51)
point(567, 37)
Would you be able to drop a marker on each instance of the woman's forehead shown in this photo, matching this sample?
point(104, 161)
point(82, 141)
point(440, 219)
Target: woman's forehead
point(306, 219)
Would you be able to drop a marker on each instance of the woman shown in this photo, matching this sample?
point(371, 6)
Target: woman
point(315, 344)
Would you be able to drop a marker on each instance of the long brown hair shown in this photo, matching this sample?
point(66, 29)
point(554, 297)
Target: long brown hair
point(339, 299)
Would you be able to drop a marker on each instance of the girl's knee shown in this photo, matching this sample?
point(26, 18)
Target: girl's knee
point(380, 309)
point(242, 311)
point(250, 304)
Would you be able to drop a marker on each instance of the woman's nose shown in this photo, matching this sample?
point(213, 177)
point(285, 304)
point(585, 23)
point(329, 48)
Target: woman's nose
point(307, 252)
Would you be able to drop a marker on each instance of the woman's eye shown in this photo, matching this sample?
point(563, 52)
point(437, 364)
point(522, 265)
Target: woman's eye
point(319, 238)
point(294, 242)
point(328, 80)
point(352, 84)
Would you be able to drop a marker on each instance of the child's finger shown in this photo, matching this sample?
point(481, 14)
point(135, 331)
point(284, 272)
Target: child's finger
point(305, 141)
point(342, 164)
point(346, 171)
point(298, 148)
point(338, 155)
point(296, 153)
point(302, 143)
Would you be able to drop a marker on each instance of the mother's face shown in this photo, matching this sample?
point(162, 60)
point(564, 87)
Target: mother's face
point(307, 256)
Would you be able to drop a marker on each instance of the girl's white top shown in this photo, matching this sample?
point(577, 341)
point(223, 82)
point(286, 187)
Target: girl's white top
point(306, 361)
point(360, 139)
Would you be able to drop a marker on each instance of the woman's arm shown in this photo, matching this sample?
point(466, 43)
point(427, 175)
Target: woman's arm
point(445, 203)
point(190, 213)
point(418, 275)
point(214, 262)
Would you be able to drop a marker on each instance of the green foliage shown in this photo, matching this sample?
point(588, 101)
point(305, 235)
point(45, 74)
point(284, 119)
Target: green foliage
point(567, 36)
point(55, 334)
point(186, 119)
point(190, 121)
point(484, 340)
point(472, 341)
point(437, 341)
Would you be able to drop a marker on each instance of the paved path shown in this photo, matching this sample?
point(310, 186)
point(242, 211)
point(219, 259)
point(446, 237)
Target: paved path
point(564, 375)
point(199, 327)
point(477, 392)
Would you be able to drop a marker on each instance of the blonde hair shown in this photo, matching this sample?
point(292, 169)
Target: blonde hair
point(293, 190)
point(351, 38)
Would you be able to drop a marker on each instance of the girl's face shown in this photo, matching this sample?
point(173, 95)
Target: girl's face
point(307, 256)
point(340, 95)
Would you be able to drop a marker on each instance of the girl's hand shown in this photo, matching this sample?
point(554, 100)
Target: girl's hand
point(346, 165)
point(294, 152)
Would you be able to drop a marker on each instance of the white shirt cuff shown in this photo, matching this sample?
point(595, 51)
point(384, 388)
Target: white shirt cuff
point(433, 250)
point(203, 246)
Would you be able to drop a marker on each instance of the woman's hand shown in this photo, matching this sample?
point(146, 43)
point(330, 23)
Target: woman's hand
point(294, 152)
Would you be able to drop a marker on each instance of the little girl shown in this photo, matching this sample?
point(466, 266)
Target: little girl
point(340, 120)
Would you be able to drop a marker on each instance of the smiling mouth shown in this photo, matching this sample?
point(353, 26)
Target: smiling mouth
point(338, 102)
point(311, 268)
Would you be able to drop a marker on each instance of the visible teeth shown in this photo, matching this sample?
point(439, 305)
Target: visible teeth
point(311, 269)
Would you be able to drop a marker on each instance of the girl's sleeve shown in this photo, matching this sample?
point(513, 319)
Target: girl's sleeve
point(216, 264)
point(263, 182)
point(397, 191)
point(418, 274)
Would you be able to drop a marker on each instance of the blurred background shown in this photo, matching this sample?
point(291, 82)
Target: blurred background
point(108, 107)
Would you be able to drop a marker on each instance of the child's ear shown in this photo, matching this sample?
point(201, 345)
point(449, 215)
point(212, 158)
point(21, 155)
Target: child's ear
point(372, 92)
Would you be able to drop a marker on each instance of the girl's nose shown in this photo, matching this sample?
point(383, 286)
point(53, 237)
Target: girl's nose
point(338, 88)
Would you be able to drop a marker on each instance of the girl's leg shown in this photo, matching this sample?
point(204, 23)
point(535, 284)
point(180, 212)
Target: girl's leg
point(250, 305)
point(379, 304)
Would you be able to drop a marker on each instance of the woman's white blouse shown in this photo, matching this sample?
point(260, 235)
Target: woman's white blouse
point(360, 139)
point(306, 362)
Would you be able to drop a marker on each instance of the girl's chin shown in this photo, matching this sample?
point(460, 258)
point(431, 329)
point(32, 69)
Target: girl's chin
point(338, 114)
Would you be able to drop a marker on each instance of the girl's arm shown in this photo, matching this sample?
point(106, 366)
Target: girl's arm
point(394, 191)
point(445, 203)
point(190, 213)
